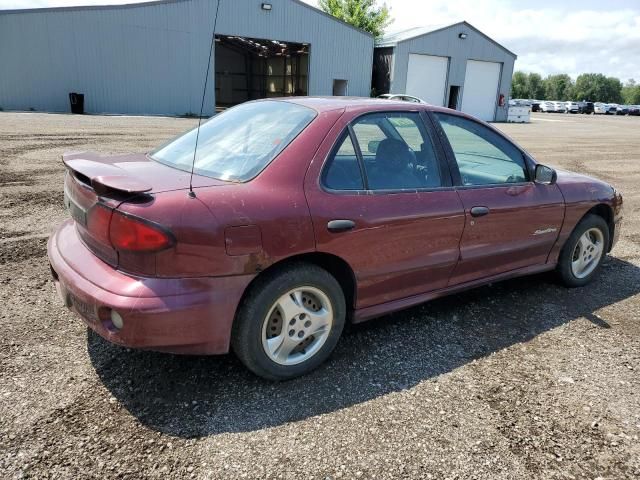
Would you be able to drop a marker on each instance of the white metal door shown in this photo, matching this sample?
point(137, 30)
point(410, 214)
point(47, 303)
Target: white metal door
point(427, 78)
point(480, 93)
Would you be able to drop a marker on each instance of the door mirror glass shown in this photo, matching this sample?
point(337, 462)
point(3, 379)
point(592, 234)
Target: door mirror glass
point(545, 175)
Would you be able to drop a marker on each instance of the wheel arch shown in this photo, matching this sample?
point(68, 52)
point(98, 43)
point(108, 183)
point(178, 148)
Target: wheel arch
point(335, 265)
point(606, 213)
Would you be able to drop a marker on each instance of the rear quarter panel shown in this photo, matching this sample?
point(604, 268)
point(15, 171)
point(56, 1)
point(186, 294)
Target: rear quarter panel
point(273, 204)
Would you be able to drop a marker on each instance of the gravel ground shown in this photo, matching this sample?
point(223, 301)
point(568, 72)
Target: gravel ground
point(521, 379)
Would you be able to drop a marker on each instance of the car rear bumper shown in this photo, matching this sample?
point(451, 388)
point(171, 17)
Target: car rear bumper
point(184, 315)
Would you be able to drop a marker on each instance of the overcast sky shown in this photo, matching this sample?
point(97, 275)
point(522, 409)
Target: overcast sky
point(549, 36)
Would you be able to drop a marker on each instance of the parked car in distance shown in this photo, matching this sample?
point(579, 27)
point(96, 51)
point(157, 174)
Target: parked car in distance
point(559, 107)
point(571, 107)
point(600, 108)
point(401, 97)
point(634, 110)
point(612, 108)
point(586, 107)
point(622, 110)
point(305, 213)
point(535, 105)
point(547, 107)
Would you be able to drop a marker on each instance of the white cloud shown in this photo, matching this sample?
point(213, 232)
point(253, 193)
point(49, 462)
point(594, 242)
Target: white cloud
point(549, 37)
point(557, 37)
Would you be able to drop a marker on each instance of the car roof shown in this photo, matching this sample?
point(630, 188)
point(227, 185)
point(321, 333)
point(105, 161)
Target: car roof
point(365, 104)
point(324, 104)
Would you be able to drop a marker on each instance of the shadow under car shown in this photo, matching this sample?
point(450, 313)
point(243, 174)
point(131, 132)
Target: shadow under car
point(200, 396)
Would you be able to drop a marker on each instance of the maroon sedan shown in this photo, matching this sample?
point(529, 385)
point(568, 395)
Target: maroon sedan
point(306, 213)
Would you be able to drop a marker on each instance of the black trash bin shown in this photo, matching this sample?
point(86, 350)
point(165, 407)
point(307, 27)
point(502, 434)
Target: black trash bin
point(77, 102)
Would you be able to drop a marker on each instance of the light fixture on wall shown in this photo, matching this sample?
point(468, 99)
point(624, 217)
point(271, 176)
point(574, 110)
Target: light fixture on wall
point(267, 6)
point(461, 35)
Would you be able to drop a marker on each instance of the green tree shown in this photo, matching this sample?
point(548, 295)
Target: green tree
point(598, 88)
point(363, 14)
point(535, 87)
point(631, 93)
point(558, 87)
point(519, 85)
point(614, 90)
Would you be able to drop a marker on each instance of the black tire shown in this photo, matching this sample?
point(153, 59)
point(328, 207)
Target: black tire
point(564, 269)
point(246, 340)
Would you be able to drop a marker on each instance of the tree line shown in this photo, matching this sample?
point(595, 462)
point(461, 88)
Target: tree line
point(595, 87)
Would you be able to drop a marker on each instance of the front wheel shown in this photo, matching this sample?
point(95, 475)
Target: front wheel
point(290, 322)
point(584, 251)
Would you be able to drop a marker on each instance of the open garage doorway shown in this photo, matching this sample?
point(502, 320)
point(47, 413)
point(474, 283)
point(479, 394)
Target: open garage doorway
point(250, 68)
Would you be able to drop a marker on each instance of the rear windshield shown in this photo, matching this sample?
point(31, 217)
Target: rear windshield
point(239, 143)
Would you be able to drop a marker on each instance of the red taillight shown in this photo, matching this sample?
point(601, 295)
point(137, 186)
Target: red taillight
point(136, 235)
point(98, 218)
point(126, 232)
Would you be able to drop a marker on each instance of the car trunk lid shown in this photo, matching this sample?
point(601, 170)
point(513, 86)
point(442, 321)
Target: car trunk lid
point(96, 186)
point(130, 174)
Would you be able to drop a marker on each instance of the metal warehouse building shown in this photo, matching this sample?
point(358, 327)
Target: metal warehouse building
point(456, 66)
point(151, 58)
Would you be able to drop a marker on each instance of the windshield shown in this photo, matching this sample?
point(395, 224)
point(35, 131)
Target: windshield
point(238, 144)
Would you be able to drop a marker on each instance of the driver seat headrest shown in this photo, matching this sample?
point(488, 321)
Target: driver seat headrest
point(393, 151)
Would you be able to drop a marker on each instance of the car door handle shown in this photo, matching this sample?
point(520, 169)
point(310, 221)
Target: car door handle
point(479, 211)
point(336, 226)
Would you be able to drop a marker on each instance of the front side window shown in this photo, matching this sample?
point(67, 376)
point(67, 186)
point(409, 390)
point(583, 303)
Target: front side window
point(239, 143)
point(397, 153)
point(483, 156)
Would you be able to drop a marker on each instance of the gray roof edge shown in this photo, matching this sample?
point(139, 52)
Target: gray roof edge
point(160, 2)
point(88, 7)
point(464, 22)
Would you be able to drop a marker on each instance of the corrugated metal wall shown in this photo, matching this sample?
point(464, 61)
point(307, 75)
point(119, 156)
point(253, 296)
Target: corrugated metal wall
point(151, 58)
point(446, 43)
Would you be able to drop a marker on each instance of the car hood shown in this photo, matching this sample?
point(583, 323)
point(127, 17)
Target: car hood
point(132, 173)
point(565, 176)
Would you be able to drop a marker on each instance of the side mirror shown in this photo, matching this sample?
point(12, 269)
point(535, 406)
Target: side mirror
point(545, 175)
point(373, 145)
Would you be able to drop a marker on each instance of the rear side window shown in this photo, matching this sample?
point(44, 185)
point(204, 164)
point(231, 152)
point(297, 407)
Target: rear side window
point(409, 131)
point(397, 152)
point(393, 150)
point(343, 169)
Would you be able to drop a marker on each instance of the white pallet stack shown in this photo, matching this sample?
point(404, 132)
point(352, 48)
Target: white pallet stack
point(519, 115)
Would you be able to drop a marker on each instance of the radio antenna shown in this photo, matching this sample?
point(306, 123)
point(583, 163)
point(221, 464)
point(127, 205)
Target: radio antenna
point(192, 194)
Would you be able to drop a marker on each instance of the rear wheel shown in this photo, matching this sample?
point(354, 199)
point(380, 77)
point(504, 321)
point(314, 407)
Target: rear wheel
point(289, 322)
point(584, 251)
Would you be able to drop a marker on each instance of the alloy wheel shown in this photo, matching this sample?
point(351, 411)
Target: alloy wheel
point(297, 325)
point(587, 253)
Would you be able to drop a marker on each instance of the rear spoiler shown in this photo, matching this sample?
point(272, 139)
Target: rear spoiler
point(102, 176)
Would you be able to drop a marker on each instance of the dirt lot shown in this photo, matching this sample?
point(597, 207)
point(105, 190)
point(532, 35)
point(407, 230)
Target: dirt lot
point(523, 379)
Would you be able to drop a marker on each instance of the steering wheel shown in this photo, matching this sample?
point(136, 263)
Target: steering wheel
point(419, 170)
point(512, 179)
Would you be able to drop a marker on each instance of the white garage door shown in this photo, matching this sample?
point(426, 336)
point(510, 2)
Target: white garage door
point(480, 93)
point(427, 77)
